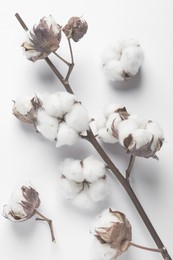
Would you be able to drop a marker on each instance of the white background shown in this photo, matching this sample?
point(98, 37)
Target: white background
point(25, 155)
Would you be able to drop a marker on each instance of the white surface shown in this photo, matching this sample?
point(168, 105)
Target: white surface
point(25, 155)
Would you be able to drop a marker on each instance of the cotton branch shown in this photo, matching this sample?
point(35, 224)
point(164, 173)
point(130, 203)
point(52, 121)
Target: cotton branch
point(123, 181)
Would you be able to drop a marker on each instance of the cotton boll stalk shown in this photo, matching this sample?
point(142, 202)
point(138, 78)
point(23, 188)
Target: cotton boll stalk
point(22, 204)
point(66, 135)
point(72, 170)
point(113, 228)
point(98, 190)
point(47, 125)
point(59, 103)
point(93, 169)
point(70, 188)
point(77, 118)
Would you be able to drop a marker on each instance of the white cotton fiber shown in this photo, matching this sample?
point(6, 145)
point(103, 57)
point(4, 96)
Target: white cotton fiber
point(72, 170)
point(102, 251)
point(141, 137)
point(141, 121)
point(66, 135)
point(71, 188)
point(23, 105)
point(125, 128)
point(98, 190)
point(93, 169)
point(111, 109)
point(77, 118)
point(114, 70)
point(101, 121)
point(113, 121)
point(106, 137)
point(47, 125)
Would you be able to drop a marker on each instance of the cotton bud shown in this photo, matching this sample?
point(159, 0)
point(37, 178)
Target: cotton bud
point(122, 60)
point(22, 204)
point(25, 109)
point(43, 39)
point(84, 182)
point(75, 29)
point(113, 235)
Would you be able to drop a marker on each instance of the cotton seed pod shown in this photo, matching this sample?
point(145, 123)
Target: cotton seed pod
point(113, 230)
point(26, 109)
point(43, 39)
point(75, 29)
point(22, 204)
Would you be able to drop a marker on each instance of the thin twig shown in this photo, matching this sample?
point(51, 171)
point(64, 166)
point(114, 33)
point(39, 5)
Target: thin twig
point(158, 250)
point(61, 58)
point(21, 22)
point(49, 221)
point(72, 62)
point(130, 166)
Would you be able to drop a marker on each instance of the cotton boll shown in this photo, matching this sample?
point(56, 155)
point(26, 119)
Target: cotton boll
point(66, 135)
point(72, 170)
point(83, 201)
point(23, 105)
point(93, 169)
point(102, 251)
point(106, 137)
point(132, 58)
point(113, 121)
point(71, 188)
point(98, 190)
point(125, 128)
point(101, 121)
point(141, 137)
point(47, 125)
point(141, 121)
point(114, 70)
point(126, 43)
point(77, 118)
point(157, 133)
point(59, 104)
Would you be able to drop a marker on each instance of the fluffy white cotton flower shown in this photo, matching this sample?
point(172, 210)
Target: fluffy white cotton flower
point(122, 60)
point(59, 103)
point(72, 170)
point(93, 169)
point(112, 231)
point(66, 135)
point(47, 125)
point(24, 200)
point(84, 181)
point(77, 118)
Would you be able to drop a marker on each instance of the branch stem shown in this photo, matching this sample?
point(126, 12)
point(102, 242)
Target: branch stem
point(130, 166)
point(72, 61)
point(158, 250)
point(49, 221)
point(62, 59)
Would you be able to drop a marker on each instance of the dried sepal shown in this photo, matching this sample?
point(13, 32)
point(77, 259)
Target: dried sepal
point(44, 38)
point(22, 204)
point(75, 29)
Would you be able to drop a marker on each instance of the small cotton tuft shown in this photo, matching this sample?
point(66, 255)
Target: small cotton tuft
point(66, 135)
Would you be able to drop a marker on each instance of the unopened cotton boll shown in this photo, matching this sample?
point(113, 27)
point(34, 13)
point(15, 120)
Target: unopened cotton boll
point(77, 118)
point(123, 60)
point(59, 103)
point(66, 135)
point(98, 190)
point(93, 169)
point(72, 170)
point(71, 188)
point(47, 125)
point(113, 229)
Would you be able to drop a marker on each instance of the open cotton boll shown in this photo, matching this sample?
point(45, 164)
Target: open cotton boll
point(59, 104)
point(23, 105)
point(66, 135)
point(141, 121)
point(157, 133)
point(93, 169)
point(132, 59)
point(125, 128)
point(114, 70)
point(71, 188)
point(47, 125)
point(77, 118)
point(106, 137)
point(140, 137)
point(72, 170)
point(98, 190)
point(102, 251)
